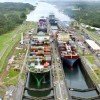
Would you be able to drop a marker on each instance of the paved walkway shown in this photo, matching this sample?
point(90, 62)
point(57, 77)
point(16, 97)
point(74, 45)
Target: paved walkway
point(61, 92)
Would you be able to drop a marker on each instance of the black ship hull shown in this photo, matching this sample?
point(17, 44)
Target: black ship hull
point(69, 62)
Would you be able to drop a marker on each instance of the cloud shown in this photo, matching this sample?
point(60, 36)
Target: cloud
point(23, 1)
point(32, 1)
point(12, 0)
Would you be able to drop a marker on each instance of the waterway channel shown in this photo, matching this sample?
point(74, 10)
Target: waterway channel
point(42, 7)
point(35, 83)
point(77, 78)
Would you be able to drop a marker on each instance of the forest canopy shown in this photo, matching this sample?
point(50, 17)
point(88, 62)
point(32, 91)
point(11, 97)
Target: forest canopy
point(85, 12)
point(13, 14)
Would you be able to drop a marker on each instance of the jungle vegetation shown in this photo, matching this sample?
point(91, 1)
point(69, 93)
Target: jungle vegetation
point(12, 15)
point(85, 12)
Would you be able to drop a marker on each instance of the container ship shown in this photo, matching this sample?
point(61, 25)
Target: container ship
point(67, 49)
point(39, 80)
point(40, 53)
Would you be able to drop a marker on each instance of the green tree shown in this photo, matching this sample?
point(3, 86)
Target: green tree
point(23, 16)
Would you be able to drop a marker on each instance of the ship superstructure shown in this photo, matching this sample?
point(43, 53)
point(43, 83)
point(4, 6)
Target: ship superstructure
point(42, 25)
point(52, 19)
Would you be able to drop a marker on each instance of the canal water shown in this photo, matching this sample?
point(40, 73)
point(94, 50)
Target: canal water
point(44, 9)
point(78, 79)
point(38, 81)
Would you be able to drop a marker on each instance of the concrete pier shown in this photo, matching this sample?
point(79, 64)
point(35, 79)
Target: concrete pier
point(60, 88)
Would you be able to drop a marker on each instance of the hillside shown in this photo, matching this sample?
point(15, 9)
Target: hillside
point(13, 14)
point(85, 12)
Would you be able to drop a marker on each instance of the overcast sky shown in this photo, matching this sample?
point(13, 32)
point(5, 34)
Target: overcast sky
point(13, 0)
point(32, 1)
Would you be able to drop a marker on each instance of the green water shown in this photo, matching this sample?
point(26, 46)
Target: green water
point(38, 81)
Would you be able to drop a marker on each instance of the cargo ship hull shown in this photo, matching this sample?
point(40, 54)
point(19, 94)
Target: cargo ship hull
point(68, 52)
point(69, 62)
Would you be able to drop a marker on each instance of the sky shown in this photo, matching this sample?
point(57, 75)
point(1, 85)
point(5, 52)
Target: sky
point(32, 1)
point(15, 0)
point(24, 1)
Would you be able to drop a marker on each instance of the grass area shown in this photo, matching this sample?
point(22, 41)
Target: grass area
point(12, 73)
point(90, 59)
point(98, 72)
point(11, 42)
point(12, 77)
point(12, 81)
point(2, 92)
point(93, 35)
point(8, 52)
point(80, 51)
point(7, 38)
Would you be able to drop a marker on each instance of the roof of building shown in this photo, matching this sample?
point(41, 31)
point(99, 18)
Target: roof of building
point(92, 44)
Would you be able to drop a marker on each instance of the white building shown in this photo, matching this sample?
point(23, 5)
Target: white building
point(93, 46)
